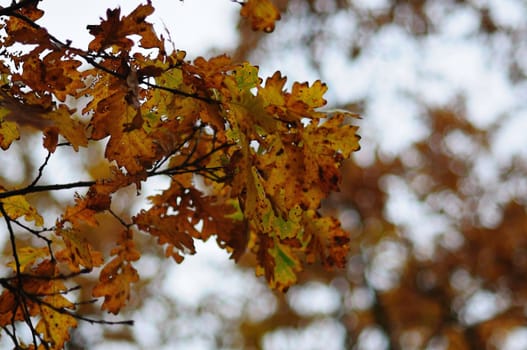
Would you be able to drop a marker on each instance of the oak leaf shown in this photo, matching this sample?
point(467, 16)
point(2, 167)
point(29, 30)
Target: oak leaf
point(18, 206)
point(262, 14)
point(68, 126)
point(116, 276)
point(55, 326)
point(8, 130)
point(77, 250)
point(114, 31)
point(175, 231)
point(328, 242)
point(27, 256)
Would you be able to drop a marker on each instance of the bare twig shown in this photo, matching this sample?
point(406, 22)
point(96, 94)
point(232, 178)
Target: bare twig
point(41, 170)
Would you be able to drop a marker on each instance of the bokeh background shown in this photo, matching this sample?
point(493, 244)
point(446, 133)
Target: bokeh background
point(434, 200)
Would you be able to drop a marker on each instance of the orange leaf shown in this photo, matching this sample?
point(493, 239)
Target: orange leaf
point(133, 150)
point(77, 252)
point(80, 213)
point(174, 230)
point(118, 274)
point(328, 241)
point(114, 31)
point(262, 14)
point(51, 139)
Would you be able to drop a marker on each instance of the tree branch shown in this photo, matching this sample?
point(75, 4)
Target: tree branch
point(8, 11)
point(44, 188)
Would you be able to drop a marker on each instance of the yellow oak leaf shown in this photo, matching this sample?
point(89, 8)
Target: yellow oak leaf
point(27, 256)
point(325, 147)
point(328, 242)
point(278, 263)
point(262, 14)
point(304, 99)
point(8, 133)
point(273, 91)
point(245, 78)
point(77, 251)
point(55, 326)
point(301, 102)
point(18, 206)
point(286, 265)
point(69, 127)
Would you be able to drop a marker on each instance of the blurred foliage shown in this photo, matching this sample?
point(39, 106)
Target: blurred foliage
point(463, 289)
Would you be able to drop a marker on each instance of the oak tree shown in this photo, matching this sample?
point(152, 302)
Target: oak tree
point(247, 161)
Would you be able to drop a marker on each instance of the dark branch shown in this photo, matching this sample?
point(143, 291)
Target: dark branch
point(44, 188)
point(10, 10)
point(41, 170)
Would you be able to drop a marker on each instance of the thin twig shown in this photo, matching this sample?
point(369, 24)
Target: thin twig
point(41, 170)
point(118, 218)
point(88, 58)
point(8, 11)
point(44, 188)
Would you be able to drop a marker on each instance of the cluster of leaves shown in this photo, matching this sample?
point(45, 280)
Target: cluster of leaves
point(410, 298)
point(267, 158)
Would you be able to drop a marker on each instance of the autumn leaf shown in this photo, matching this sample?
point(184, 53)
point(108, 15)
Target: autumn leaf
point(285, 266)
point(278, 263)
point(118, 274)
point(328, 242)
point(273, 91)
point(8, 132)
point(68, 126)
point(310, 96)
point(80, 213)
point(245, 78)
point(325, 148)
point(77, 250)
point(55, 319)
point(27, 256)
point(133, 150)
point(114, 285)
point(302, 102)
point(7, 306)
point(174, 231)
point(114, 31)
point(55, 327)
point(262, 14)
point(18, 206)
